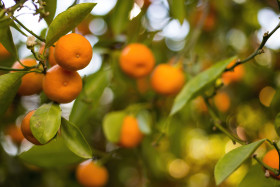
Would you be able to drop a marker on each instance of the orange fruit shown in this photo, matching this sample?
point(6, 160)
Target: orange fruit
point(73, 52)
point(222, 101)
point(271, 158)
point(4, 53)
point(131, 135)
point(83, 27)
point(233, 76)
point(90, 174)
point(25, 128)
point(137, 60)
point(167, 80)
point(15, 133)
point(143, 85)
point(61, 85)
point(31, 83)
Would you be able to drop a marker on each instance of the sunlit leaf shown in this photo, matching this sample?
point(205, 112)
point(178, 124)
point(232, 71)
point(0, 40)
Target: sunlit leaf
point(67, 21)
point(45, 122)
point(9, 84)
point(75, 140)
point(112, 124)
point(51, 155)
point(198, 84)
point(51, 8)
point(233, 159)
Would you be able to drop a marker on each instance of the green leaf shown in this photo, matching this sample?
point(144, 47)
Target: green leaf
point(75, 140)
point(67, 21)
point(45, 122)
point(198, 84)
point(112, 125)
point(255, 177)
point(120, 16)
point(232, 160)
point(88, 100)
point(144, 121)
point(9, 84)
point(177, 8)
point(6, 38)
point(277, 124)
point(52, 155)
point(51, 8)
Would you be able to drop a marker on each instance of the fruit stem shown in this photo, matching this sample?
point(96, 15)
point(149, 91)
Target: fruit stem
point(218, 124)
point(259, 50)
point(275, 171)
point(38, 37)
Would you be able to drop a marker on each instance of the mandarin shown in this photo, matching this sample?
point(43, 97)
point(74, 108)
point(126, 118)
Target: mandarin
point(233, 76)
point(271, 158)
point(167, 80)
point(73, 52)
point(61, 85)
point(31, 83)
point(15, 133)
point(137, 60)
point(130, 135)
point(222, 101)
point(4, 53)
point(26, 130)
point(90, 174)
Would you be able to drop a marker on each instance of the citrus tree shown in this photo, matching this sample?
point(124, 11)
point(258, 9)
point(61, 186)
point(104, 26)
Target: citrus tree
point(186, 94)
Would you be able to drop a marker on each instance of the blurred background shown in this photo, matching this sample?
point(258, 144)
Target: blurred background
point(187, 153)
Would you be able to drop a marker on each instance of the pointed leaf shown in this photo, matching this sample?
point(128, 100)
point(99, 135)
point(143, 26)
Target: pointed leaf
point(112, 125)
point(120, 16)
point(232, 160)
point(51, 155)
point(255, 177)
point(9, 84)
point(277, 124)
point(45, 122)
point(6, 38)
point(67, 21)
point(51, 8)
point(177, 8)
point(88, 100)
point(75, 140)
point(198, 84)
point(144, 121)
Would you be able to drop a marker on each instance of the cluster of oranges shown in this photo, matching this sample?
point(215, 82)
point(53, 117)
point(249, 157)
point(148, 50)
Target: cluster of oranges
point(137, 61)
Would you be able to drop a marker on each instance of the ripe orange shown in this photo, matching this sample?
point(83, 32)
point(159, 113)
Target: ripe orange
point(233, 76)
point(131, 135)
point(167, 80)
point(222, 101)
point(73, 52)
point(31, 83)
point(61, 85)
point(271, 158)
point(4, 53)
point(83, 27)
point(15, 133)
point(90, 174)
point(137, 60)
point(25, 128)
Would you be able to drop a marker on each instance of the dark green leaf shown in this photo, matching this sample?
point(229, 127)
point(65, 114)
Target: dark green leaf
point(120, 16)
point(45, 122)
point(88, 100)
point(144, 121)
point(6, 38)
point(9, 84)
point(277, 124)
point(51, 155)
point(232, 160)
point(112, 125)
point(51, 8)
point(255, 177)
point(75, 140)
point(177, 8)
point(198, 84)
point(67, 21)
